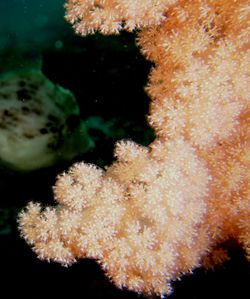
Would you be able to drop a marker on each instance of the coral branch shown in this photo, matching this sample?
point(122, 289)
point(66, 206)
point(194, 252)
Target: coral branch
point(160, 211)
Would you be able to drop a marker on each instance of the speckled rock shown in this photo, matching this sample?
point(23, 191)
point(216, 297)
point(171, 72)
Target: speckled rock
point(39, 122)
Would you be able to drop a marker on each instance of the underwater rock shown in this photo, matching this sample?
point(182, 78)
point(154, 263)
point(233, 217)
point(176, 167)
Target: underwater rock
point(39, 122)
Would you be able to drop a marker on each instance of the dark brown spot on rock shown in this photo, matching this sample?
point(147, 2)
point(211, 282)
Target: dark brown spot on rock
point(7, 113)
point(25, 109)
point(23, 95)
point(28, 135)
point(44, 131)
